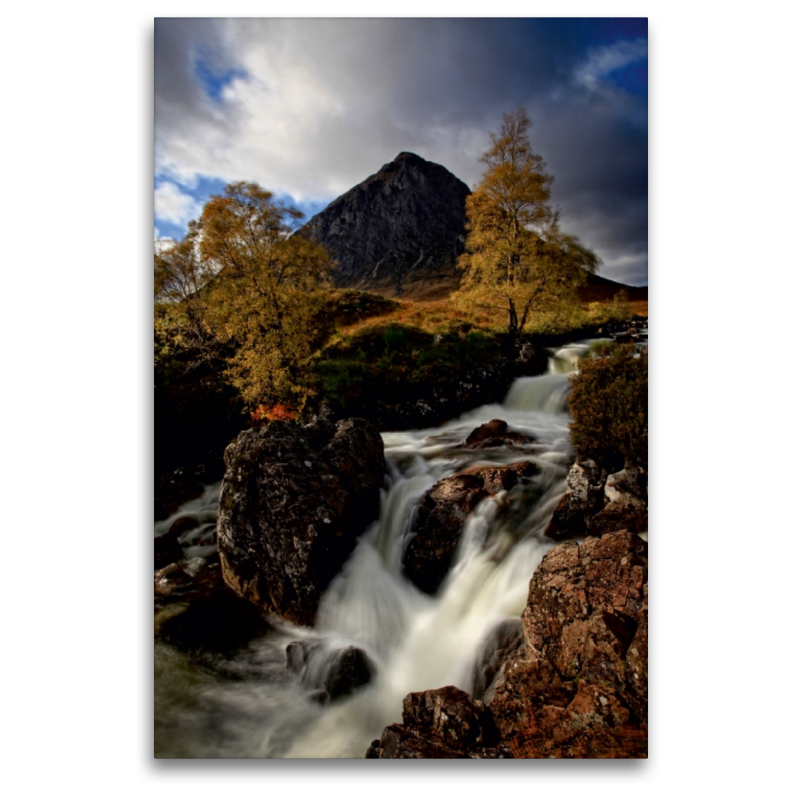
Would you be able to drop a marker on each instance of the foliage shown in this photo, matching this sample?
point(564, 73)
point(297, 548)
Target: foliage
point(350, 306)
point(179, 274)
point(196, 409)
point(517, 257)
point(243, 279)
point(608, 404)
point(393, 363)
point(264, 412)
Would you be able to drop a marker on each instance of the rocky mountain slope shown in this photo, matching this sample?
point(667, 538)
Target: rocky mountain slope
point(404, 223)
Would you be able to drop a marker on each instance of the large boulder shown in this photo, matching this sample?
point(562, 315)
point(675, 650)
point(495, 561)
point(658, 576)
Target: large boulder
point(292, 504)
point(581, 690)
point(442, 513)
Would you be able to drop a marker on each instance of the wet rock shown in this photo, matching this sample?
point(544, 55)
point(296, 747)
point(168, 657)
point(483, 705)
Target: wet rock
point(502, 643)
point(197, 612)
point(441, 516)
point(398, 742)
point(166, 550)
point(441, 723)
point(173, 488)
point(292, 503)
point(625, 503)
point(583, 498)
point(183, 525)
point(351, 670)
point(581, 690)
point(495, 433)
point(333, 674)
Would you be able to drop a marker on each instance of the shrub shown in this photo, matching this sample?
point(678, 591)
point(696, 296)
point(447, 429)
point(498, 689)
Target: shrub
point(393, 364)
point(608, 404)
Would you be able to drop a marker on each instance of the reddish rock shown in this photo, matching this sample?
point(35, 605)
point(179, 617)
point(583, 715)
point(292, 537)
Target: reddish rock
point(495, 433)
point(441, 723)
point(581, 692)
point(442, 514)
point(578, 688)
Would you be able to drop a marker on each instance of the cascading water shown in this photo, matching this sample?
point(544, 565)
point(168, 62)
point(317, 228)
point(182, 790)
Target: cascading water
point(250, 706)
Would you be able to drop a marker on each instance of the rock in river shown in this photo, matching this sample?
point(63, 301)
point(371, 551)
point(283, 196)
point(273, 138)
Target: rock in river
point(292, 503)
point(442, 514)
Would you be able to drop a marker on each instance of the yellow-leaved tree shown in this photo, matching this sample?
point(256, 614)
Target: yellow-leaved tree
point(517, 257)
point(265, 289)
point(179, 274)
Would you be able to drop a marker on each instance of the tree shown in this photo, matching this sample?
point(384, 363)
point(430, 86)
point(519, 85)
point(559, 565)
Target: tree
point(263, 292)
point(517, 257)
point(179, 273)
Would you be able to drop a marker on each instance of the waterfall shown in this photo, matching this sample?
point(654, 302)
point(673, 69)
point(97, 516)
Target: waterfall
point(415, 641)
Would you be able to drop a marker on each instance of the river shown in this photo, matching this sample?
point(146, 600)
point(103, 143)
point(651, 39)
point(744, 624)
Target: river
point(250, 706)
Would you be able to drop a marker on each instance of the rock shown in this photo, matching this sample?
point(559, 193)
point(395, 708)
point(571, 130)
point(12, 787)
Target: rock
point(583, 498)
point(441, 516)
point(197, 612)
point(406, 221)
point(351, 670)
point(166, 550)
point(581, 690)
point(441, 723)
point(332, 673)
point(626, 503)
point(495, 433)
point(292, 503)
point(183, 525)
point(596, 503)
point(502, 643)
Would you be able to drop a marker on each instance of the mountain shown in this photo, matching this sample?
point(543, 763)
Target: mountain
point(602, 290)
point(404, 223)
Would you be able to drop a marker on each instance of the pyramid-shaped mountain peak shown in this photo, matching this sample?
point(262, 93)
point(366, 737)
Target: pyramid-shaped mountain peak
point(404, 223)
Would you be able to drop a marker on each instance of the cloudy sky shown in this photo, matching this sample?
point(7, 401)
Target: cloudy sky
point(310, 107)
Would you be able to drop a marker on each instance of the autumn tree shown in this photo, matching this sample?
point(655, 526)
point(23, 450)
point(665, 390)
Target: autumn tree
point(179, 274)
point(517, 257)
point(263, 293)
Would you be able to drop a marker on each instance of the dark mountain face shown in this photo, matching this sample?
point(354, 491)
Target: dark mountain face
point(404, 223)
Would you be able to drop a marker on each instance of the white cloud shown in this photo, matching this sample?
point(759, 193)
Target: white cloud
point(319, 99)
point(314, 106)
point(602, 61)
point(172, 205)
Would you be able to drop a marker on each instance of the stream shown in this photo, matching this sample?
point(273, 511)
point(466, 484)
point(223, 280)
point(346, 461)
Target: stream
point(252, 706)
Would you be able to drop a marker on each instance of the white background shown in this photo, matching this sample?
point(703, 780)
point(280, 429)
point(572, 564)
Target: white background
point(77, 416)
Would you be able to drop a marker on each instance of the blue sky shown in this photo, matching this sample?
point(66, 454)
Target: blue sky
point(310, 107)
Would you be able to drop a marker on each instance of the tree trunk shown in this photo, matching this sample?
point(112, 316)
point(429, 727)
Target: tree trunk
point(513, 324)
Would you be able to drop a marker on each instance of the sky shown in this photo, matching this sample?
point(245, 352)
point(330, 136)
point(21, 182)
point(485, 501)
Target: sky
point(308, 108)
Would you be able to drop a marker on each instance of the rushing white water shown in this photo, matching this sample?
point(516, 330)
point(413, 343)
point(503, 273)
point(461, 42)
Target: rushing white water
point(417, 642)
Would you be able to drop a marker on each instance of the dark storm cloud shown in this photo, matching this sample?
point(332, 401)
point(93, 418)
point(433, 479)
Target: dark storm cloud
point(310, 107)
